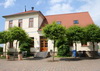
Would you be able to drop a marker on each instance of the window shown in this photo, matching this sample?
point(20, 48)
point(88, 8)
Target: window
point(83, 43)
point(11, 45)
point(10, 23)
point(30, 22)
point(58, 22)
point(32, 42)
point(20, 23)
point(76, 22)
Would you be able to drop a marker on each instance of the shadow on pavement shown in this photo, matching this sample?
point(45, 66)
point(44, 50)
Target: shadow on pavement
point(37, 58)
point(78, 59)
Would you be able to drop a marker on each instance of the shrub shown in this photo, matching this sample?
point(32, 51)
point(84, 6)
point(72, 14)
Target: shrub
point(63, 48)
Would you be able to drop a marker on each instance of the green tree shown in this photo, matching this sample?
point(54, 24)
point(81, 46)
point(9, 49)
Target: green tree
point(54, 32)
point(18, 34)
point(92, 34)
point(75, 34)
point(6, 37)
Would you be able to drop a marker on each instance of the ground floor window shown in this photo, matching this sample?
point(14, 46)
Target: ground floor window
point(11, 45)
point(32, 42)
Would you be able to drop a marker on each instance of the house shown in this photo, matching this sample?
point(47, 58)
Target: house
point(32, 22)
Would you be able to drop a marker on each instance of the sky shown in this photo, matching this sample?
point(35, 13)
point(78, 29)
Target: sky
point(50, 7)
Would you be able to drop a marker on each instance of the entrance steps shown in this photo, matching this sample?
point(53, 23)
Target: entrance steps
point(41, 54)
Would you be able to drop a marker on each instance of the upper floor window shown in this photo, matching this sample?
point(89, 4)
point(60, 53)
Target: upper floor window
point(20, 23)
point(30, 22)
point(10, 23)
point(76, 22)
point(58, 22)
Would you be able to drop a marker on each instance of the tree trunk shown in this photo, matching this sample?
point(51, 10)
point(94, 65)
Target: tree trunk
point(5, 48)
point(93, 49)
point(75, 48)
point(53, 51)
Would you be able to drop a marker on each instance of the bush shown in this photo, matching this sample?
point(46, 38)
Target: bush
point(63, 48)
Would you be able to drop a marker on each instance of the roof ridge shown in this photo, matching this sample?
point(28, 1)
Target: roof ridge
point(67, 14)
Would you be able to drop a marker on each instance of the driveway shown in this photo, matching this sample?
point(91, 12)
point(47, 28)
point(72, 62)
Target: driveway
point(62, 64)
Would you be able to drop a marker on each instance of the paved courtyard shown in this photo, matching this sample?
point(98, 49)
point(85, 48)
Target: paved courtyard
point(45, 65)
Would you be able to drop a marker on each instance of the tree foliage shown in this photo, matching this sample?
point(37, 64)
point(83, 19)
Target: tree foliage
point(75, 33)
point(18, 34)
point(92, 33)
point(54, 31)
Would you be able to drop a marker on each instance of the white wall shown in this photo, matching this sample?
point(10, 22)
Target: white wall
point(89, 47)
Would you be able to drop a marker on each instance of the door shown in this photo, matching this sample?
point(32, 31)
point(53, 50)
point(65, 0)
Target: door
point(43, 44)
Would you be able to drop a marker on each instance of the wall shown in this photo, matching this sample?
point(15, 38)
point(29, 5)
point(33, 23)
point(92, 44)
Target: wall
point(84, 48)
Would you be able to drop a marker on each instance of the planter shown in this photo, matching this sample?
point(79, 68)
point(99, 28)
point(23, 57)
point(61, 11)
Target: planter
point(19, 56)
point(7, 57)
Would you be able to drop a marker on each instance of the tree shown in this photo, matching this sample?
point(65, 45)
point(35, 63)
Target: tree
point(92, 34)
point(18, 34)
point(54, 32)
point(6, 37)
point(75, 34)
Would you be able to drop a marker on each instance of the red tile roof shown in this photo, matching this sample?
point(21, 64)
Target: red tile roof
point(31, 11)
point(67, 19)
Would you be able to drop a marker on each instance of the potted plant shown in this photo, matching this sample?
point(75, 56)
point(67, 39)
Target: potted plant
point(20, 55)
point(8, 55)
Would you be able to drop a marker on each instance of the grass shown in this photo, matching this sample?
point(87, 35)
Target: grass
point(64, 56)
point(3, 57)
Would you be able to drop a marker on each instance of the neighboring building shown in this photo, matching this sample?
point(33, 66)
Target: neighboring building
point(32, 22)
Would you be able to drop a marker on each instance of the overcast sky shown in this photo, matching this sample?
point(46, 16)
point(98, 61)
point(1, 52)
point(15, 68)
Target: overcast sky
point(49, 7)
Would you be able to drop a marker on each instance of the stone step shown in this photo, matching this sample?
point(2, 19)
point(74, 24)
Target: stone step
point(41, 54)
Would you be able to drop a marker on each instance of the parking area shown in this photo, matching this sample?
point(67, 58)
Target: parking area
point(62, 64)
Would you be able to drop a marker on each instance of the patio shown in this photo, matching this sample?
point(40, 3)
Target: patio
point(62, 64)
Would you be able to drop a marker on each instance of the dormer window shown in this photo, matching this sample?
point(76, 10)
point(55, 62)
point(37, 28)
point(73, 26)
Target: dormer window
point(20, 23)
point(10, 23)
point(58, 22)
point(76, 22)
point(30, 22)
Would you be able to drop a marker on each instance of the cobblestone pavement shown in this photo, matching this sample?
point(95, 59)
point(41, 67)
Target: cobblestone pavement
point(46, 65)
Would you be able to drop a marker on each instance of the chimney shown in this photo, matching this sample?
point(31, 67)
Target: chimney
point(32, 8)
point(25, 8)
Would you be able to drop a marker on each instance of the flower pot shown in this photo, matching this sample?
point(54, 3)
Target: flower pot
point(19, 56)
point(7, 57)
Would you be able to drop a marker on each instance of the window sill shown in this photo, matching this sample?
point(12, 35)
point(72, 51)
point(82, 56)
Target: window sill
point(84, 45)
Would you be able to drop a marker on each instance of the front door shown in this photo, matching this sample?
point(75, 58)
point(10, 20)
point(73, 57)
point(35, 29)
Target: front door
point(43, 44)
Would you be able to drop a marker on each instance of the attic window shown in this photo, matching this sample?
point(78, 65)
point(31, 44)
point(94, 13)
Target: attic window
point(58, 22)
point(76, 22)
